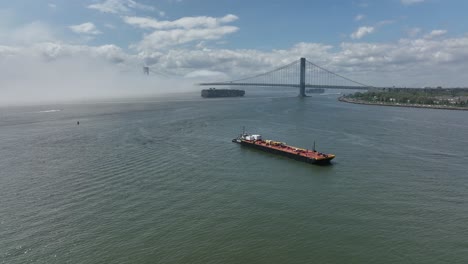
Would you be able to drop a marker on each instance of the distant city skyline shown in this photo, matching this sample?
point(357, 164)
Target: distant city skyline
point(414, 43)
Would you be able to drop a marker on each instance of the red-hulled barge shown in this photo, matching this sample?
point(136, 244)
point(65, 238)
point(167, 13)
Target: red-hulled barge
point(276, 147)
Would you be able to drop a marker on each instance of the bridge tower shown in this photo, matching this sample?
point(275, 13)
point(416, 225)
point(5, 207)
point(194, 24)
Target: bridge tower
point(302, 80)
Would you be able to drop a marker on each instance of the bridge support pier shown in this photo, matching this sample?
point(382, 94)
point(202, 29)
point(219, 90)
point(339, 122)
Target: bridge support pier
point(302, 80)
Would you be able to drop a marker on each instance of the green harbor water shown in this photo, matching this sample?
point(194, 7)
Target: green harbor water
point(159, 181)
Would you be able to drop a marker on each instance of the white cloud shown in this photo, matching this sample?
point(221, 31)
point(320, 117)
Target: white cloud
point(85, 28)
point(51, 51)
point(236, 63)
point(174, 37)
point(181, 31)
point(7, 51)
point(52, 5)
point(410, 2)
point(58, 71)
point(359, 17)
point(185, 22)
point(412, 63)
point(119, 6)
point(33, 32)
point(108, 25)
point(361, 32)
point(436, 33)
point(366, 30)
point(413, 32)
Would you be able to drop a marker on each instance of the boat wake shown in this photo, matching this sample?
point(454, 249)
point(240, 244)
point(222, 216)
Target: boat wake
point(50, 111)
point(330, 94)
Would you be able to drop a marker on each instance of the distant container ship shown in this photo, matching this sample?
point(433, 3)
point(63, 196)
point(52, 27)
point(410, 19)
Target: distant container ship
point(213, 92)
point(280, 148)
point(315, 90)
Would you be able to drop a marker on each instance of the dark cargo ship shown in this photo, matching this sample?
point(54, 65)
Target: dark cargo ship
point(280, 148)
point(315, 90)
point(213, 92)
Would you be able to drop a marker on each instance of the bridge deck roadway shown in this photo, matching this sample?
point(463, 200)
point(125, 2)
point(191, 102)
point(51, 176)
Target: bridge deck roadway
point(286, 85)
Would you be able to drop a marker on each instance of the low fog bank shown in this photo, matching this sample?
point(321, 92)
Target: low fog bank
point(35, 80)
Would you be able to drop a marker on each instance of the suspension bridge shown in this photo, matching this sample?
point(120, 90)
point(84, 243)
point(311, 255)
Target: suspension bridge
point(300, 74)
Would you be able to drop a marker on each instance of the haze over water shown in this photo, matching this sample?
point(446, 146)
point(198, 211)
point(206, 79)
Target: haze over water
point(161, 182)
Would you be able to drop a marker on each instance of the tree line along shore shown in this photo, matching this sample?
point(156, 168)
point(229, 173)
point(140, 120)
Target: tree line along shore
point(440, 98)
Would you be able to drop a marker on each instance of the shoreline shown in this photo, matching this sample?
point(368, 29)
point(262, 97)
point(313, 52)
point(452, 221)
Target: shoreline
point(444, 107)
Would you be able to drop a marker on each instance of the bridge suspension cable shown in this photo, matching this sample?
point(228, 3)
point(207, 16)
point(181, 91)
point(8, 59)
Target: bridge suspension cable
point(330, 73)
point(267, 73)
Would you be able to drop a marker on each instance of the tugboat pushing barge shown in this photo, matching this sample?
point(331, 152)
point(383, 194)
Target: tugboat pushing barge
point(280, 148)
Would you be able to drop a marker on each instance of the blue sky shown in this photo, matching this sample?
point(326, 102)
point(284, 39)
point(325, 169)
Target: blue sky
point(388, 42)
point(262, 24)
